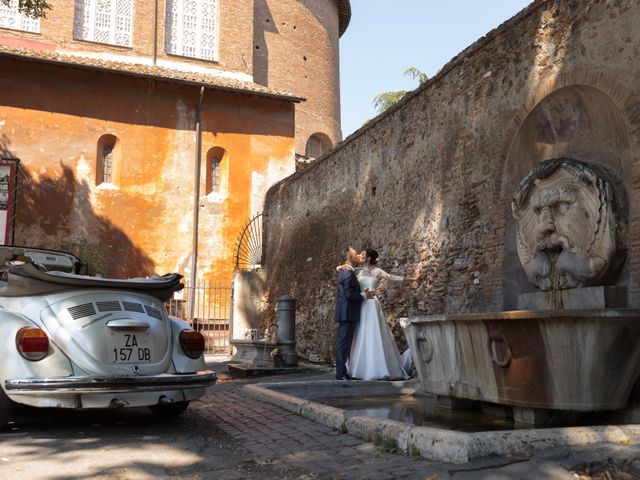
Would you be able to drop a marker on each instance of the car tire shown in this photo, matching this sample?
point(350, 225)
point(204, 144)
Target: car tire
point(169, 409)
point(6, 407)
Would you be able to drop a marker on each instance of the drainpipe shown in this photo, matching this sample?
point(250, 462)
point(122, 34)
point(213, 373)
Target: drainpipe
point(196, 206)
point(155, 32)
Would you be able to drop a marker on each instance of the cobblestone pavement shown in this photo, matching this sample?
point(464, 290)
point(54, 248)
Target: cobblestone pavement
point(297, 444)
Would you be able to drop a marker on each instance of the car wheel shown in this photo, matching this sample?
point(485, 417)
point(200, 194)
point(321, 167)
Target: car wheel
point(169, 409)
point(6, 406)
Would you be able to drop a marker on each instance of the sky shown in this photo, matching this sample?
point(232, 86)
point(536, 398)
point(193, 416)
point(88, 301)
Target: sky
point(386, 37)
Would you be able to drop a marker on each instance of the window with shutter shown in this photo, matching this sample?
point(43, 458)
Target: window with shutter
point(10, 17)
point(104, 21)
point(190, 28)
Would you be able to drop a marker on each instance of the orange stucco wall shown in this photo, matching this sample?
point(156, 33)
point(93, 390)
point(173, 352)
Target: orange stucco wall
point(51, 117)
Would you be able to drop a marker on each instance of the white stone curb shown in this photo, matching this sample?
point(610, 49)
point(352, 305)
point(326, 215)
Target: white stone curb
point(434, 443)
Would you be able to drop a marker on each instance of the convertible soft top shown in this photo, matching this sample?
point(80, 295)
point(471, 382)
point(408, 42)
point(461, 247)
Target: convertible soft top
point(29, 279)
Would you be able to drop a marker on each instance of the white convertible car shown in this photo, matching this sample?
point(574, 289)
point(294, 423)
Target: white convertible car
point(73, 341)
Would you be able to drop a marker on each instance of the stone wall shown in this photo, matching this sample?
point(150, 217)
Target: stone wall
point(429, 183)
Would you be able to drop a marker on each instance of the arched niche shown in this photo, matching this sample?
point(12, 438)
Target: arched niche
point(317, 145)
point(575, 121)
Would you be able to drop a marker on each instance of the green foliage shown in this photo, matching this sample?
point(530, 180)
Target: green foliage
point(385, 100)
point(31, 8)
point(344, 429)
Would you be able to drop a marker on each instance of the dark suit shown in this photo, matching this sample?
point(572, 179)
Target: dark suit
point(348, 303)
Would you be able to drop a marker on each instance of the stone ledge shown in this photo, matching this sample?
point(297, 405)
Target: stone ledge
point(432, 443)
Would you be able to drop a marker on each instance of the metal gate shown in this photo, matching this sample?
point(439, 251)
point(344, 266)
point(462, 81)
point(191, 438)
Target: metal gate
point(213, 302)
point(211, 312)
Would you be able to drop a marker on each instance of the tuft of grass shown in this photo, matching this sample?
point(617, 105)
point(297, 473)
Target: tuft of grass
point(375, 438)
point(413, 451)
point(388, 445)
point(344, 429)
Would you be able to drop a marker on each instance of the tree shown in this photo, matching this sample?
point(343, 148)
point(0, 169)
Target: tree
point(385, 100)
point(31, 8)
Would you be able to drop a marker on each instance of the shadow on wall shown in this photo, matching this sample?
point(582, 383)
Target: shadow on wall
point(4, 147)
point(54, 211)
point(262, 23)
point(443, 230)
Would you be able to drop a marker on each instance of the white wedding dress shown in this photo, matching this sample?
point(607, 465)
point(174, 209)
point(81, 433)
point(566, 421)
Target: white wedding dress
point(374, 353)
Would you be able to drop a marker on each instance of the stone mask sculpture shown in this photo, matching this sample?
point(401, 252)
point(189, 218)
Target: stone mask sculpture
point(566, 227)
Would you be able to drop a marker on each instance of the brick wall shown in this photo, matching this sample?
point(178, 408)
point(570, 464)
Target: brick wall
point(290, 45)
point(429, 183)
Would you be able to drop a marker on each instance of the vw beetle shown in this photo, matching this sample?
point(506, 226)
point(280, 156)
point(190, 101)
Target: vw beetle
point(74, 341)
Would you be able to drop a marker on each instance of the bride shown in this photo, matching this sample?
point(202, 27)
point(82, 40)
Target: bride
point(374, 353)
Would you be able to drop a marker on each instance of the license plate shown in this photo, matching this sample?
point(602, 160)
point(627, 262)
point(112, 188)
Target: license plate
point(130, 347)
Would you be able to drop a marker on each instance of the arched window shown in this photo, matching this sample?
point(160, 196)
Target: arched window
point(317, 145)
point(214, 174)
point(106, 159)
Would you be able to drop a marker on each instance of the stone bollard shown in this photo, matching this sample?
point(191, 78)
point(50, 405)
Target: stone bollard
point(286, 321)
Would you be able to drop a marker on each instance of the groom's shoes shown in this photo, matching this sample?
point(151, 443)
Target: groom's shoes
point(345, 377)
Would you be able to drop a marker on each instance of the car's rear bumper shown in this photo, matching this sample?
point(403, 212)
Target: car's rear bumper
point(110, 384)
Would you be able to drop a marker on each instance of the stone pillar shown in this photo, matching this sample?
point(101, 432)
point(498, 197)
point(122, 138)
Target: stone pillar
point(286, 321)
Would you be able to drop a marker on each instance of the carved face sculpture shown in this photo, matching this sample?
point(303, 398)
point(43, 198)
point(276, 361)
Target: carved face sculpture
point(565, 225)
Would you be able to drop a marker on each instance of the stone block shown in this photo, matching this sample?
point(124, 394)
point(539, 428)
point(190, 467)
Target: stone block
point(532, 416)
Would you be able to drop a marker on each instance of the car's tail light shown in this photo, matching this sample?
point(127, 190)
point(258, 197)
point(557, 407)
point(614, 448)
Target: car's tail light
point(192, 343)
point(32, 343)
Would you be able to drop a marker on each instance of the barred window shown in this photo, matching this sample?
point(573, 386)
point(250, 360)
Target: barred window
point(215, 170)
point(103, 21)
point(107, 158)
point(190, 28)
point(10, 17)
point(107, 163)
point(215, 175)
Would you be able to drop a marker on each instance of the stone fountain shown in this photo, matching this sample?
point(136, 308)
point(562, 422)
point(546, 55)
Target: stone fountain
point(273, 347)
point(572, 345)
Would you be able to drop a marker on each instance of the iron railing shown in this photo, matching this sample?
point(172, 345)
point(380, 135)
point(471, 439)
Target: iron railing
point(211, 312)
point(249, 245)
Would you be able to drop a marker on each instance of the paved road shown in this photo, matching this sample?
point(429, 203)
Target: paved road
point(227, 435)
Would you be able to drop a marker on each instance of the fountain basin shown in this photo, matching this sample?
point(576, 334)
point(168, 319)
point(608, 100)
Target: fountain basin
point(553, 359)
point(309, 399)
point(257, 352)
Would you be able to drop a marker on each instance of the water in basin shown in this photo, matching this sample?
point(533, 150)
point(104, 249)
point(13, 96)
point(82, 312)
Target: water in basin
point(422, 410)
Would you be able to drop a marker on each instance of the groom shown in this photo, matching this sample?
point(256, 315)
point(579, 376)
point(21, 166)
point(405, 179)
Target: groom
point(348, 300)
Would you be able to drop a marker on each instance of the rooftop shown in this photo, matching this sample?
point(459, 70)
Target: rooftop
point(216, 82)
